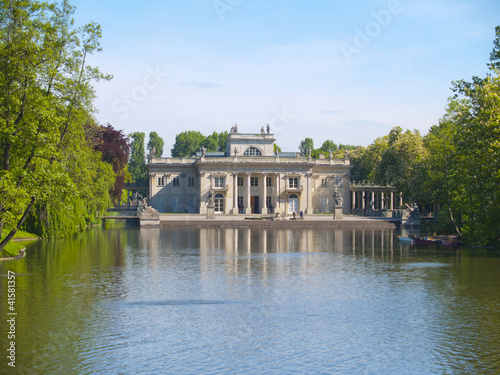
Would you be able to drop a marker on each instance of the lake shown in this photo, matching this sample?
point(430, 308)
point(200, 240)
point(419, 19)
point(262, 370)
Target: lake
point(194, 300)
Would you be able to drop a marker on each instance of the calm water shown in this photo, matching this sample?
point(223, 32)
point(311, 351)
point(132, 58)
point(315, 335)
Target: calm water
point(248, 301)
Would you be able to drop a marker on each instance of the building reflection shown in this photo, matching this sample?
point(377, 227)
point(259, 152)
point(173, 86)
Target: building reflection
point(244, 250)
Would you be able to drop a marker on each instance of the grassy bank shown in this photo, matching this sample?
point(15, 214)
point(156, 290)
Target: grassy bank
point(14, 247)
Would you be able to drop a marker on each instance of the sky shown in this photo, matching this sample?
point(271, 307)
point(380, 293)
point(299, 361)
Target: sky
point(348, 71)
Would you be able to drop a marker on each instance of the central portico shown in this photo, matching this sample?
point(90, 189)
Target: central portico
point(249, 178)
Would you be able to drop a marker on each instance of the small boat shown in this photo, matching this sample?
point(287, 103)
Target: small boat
point(450, 240)
point(426, 241)
point(403, 239)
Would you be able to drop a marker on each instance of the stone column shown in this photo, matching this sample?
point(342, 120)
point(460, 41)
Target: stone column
point(372, 199)
point(392, 201)
point(309, 208)
point(278, 186)
point(382, 201)
point(235, 194)
point(203, 207)
point(248, 209)
point(264, 188)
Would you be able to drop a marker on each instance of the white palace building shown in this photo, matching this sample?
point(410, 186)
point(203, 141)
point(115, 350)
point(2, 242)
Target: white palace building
point(251, 178)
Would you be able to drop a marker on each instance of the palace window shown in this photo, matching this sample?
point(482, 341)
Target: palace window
point(240, 181)
point(293, 182)
point(219, 182)
point(269, 181)
point(254, 181)
point(324, 182)
point(338, 181)
point(190, 181)
point(161, 181)
point(175, 181)
point(252, 151)
point(219, 202)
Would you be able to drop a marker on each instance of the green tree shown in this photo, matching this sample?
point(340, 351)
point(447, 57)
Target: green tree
point(45, 95)
point(137, 162)
point(477, 170)
point(222, 140)
point(187, 143)
point(157, 142)
point(211, 143)
point(305, 145)
point(328, 146)
point(399, 162)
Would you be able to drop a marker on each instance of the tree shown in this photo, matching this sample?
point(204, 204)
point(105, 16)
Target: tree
point(305, 145)
point(477, 170)
point(328, 146)
point(137, 162)
point(115, 150)
point(157, 142)
point(187, 143)
point(211, 143)
point(45, 95)
point(398, 163)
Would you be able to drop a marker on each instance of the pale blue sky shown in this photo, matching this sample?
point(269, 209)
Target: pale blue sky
point(301, 66)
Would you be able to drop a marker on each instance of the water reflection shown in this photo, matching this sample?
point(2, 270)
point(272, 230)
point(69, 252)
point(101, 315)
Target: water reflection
point(242, 300)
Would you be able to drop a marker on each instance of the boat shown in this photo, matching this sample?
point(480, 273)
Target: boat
point(404, 239)
point(450, 240)
point(426, 240)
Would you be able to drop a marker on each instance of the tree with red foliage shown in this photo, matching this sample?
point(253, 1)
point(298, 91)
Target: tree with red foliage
point(115, 149)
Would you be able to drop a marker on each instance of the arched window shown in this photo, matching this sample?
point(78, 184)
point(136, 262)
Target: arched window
point(252, 151)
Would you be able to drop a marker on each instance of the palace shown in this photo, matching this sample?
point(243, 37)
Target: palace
point(249, 178)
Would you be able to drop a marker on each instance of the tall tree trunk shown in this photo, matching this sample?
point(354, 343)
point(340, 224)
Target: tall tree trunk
point(13, 232)
point(449, 196)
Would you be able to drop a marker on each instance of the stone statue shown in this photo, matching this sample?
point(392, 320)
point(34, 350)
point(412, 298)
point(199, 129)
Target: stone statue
point(152, 154)
point(338, 199)
point(268, 129)
point(203, 149)
point(232, 129)
point(276, 152)
point(262, 130)
point(309, 151)
point(235, 151)
point(210, 198)
point(346, 156)
point(236, 128)
point(331, 155)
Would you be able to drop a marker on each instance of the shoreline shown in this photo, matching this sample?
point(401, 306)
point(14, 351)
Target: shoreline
point(232, 221)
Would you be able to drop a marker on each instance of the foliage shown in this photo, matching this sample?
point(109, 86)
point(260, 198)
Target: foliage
point(45, 96)
point(115, 150)
point(305, 145)
point(137, 162)
point(328, 146)
point(476, 170)
point(189, 142)
point(157, 142)
point(400, 160)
